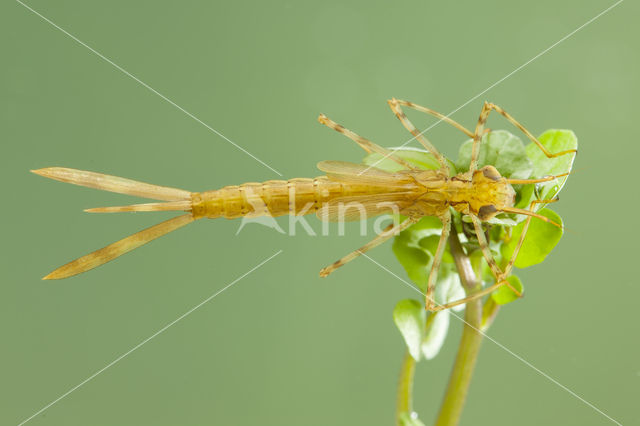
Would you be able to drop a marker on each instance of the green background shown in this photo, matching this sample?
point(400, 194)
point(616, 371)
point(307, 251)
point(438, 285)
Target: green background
point(282, 346)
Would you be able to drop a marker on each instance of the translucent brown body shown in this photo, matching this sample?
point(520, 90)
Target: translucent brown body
point(480, 193)
point(277, 197)
point(413, 193)
point(422, 193)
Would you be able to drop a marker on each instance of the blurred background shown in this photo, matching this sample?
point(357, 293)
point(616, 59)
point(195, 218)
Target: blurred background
point(282, 346)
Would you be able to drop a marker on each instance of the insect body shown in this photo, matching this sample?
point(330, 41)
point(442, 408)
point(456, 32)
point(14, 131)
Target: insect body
point(480, 193)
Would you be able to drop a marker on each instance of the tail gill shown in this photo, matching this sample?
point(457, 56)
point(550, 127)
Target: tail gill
point(175, 199)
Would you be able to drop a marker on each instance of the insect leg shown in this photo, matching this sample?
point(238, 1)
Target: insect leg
point(433, 274)
point(525, 228)
point(364, 143)
point(544, 179)
point(477, 137)
point(442, 117)
point(395, 106)
point(474, 296)
point(484, 246)
point(388, 232)
point(533, 139)
point(497, 273)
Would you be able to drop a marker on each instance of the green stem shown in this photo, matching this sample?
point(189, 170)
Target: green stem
point(460, 379)
point(405, 387)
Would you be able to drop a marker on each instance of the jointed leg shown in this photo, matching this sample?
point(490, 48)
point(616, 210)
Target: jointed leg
point(533, 139)
point(544, 179)
point(394, 104)
point(484, 246)
point(477, 137)
point(525, 228)
point(442, 117)
point(435, 266)
point(387, 233)
point(474, 296)
point(495, 269)
point(497, 273)
point(364, 143)
point(500, 276)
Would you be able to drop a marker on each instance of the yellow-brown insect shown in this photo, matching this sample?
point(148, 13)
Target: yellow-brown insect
point(414, 193)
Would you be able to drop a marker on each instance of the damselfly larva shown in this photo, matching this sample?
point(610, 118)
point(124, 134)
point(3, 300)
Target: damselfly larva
point(480, 193)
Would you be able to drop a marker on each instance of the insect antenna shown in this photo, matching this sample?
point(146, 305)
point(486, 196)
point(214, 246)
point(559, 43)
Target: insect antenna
point(530, 213)
point(544, 179)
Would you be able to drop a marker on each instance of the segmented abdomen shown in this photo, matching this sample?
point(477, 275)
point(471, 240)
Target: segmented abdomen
point(274, 198)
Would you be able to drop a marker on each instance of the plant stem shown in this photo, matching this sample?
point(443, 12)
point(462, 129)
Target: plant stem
point(460, 379)
point(405, 387)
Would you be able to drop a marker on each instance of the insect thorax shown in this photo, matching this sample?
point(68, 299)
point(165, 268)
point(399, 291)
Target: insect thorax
point(482, 193)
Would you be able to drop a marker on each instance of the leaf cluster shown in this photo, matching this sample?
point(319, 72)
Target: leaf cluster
point(415, 247)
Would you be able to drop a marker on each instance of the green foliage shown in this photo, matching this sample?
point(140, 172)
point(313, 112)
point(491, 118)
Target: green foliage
point(423, 336)
point(541, 238)
point(554, 141)
point(424, 333)
point(501, 149)
point(504, 294)
point(415, 247)
point(410, 316)
point(435, 334)
point(415, 259)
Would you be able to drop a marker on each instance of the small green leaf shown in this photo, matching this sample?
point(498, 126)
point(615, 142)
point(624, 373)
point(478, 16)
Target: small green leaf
point(410, 318)
point(541, 238)
point(414, 260)
point(428, 225)
point(504, 294)
point(418, 157)
point(501, 149)
point(555, 141)
point(409, 419)
point(525, 194)
point(436, 332)
point(448, 287)
point(430, 244)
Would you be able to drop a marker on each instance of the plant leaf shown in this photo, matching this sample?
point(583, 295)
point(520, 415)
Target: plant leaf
point(410, 318)
point(525, 194)
point(416, 259)
point(435, 334)
point(501, 149)
point(555, 141)
point(541, 238)
point(504, 294)
point(448, 289)
point(430, 244)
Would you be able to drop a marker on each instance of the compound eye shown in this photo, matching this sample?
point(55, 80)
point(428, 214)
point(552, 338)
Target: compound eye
point(491, 172)
point(487, 212)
